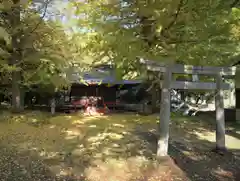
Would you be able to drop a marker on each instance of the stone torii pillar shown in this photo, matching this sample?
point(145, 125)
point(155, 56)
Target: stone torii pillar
point(237, 92)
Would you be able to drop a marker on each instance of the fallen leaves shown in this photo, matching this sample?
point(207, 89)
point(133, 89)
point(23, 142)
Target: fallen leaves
point(116, 147)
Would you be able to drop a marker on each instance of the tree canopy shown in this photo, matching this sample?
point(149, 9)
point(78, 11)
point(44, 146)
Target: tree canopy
point(34, 50)
point(40, 39)
point(200, 33)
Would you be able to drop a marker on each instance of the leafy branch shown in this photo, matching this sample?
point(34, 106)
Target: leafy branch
point(43, 15)
point(175, 16)
point(234, 4)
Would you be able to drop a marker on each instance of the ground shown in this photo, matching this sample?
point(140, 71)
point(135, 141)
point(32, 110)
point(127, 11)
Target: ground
point(118, 147)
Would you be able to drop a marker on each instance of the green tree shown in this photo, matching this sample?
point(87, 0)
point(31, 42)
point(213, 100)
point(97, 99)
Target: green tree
point(183, 31)
point(38, 52)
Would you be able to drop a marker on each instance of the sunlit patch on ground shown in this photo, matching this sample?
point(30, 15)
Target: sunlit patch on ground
point(114, 147)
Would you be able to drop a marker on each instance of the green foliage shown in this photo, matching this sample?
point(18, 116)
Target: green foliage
point(44, 49)
point(102, 31)
point(46, 55)
point(200, 33)
point(5, 36)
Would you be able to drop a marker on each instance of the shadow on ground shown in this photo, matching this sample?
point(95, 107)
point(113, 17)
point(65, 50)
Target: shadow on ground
point(18, 165)
point(193, 154)
point(74, 147)
point(121, 147)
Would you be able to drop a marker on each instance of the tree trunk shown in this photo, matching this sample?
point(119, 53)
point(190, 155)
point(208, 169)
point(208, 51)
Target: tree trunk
point(17, 96)
point(16, 57)
point(164, 115)
point(220, 117)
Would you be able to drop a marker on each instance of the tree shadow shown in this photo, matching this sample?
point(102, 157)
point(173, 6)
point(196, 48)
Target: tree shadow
point(34, 118)
point(232, 128)
point(230, 114)
point(194, 155)
point(30, 150)
point(115, 147)
point(233, 133)
point(96, 148)
point(18, 165)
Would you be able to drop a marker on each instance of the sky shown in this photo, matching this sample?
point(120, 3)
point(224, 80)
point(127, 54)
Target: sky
point(59, 10)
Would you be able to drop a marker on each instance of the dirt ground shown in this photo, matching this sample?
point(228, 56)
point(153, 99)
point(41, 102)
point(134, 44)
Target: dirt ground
point(118, 147)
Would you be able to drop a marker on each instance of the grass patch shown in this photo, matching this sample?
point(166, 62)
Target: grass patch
point(116, 147)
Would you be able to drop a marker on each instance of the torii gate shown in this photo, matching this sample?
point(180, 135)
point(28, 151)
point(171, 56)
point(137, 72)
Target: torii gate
point(168, 83)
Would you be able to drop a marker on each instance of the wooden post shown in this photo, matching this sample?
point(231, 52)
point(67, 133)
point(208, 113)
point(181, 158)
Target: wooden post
point(220, 117)
point(53, 106)
point(162, 149)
